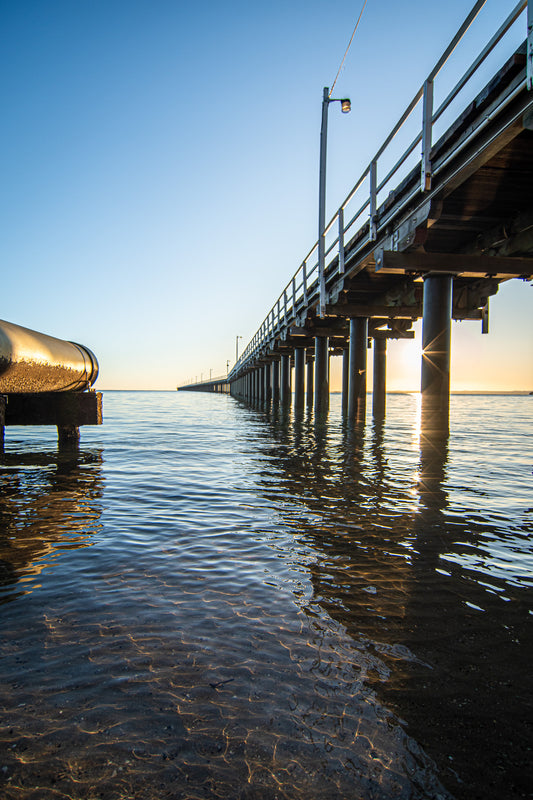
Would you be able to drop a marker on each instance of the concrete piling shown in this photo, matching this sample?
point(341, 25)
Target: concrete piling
point(357, 369)
point(321, 374)
point(436, 343)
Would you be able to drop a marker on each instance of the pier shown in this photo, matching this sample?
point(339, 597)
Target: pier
point(220, 385)
point(430, 238)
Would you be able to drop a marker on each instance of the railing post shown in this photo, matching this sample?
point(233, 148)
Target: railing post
point(427, 125)
point(529, 67)
point(304, 281)
point(322, 207)
point(285, 305)
point(341, 241)
point(294, 296)
point(373, 178)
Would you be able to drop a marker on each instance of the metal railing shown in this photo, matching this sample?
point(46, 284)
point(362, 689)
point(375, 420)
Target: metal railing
point(303, 288)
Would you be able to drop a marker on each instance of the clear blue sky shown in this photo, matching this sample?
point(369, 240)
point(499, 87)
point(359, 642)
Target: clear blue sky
point(159, 166)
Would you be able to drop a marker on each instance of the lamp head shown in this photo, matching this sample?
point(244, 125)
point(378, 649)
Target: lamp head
point(346, 105)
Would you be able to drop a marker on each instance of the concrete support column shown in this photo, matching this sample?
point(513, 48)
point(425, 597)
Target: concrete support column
point(299, 377)
point(379, 390)
point(275, 381)
point(310, 381)
point(285, 380)
point(345, 379)
point(321, 373)
point(357, 369)
point(68, 437)
point(2, 421)
point(436, 338)
point(266, 381)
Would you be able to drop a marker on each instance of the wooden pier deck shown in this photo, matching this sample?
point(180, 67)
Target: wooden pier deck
point(433, 238)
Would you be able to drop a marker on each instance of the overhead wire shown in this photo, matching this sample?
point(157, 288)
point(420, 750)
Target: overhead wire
point(349, 45)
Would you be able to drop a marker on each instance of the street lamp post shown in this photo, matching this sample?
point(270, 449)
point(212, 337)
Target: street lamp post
point(345, 108)
point(237, 348)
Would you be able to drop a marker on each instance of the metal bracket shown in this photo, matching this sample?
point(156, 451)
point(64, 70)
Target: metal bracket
point(485, 317)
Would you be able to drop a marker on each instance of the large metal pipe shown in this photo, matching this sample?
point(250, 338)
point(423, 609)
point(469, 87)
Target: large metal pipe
point(34, 362)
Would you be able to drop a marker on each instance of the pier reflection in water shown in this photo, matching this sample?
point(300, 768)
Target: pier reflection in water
point(269, 606)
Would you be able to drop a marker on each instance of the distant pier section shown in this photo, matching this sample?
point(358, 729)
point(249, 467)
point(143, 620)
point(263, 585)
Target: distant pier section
point(220, 385)
point(46, 381)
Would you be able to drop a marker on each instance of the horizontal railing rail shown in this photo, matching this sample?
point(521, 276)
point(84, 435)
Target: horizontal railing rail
point(302, 291)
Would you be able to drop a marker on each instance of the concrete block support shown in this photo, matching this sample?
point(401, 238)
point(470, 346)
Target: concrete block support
point(299, 377)
point(436, 344)
point(357, 369)
point(66, 410)
point(285, 380)
point(379, 390)
point(321, 374)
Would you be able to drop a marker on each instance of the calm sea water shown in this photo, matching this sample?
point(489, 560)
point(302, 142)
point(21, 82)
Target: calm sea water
point(214, 601)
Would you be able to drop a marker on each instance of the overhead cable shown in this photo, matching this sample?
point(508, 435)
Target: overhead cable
point(349, 44)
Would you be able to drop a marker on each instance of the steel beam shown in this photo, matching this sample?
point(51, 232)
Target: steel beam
point(453, 263)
